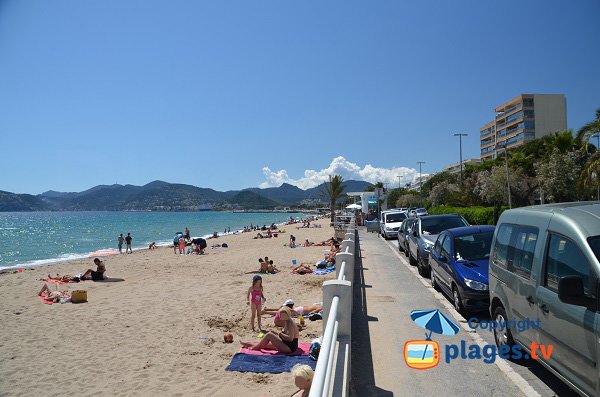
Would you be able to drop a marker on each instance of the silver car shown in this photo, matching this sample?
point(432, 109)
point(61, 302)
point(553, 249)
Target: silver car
point(544, 271)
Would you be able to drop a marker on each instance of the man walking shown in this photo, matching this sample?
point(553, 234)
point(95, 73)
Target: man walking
point(121, 240)
point(128, 241)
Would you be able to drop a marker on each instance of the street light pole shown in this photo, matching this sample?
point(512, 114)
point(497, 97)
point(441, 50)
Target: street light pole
point(461, 160)
point(420, 182)
point(398, 176)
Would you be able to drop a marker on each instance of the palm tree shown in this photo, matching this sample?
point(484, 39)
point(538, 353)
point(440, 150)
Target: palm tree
point(334, 190)
point(591, 169)
point(588, 130)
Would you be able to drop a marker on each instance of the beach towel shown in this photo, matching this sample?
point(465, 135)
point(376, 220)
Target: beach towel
point(322, 272)
point(54, 280)
point(303, 349)
point(43, 299)
point(273, 364)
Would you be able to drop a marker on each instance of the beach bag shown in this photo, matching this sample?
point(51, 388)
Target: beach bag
point(79, 296)
point(315, 349)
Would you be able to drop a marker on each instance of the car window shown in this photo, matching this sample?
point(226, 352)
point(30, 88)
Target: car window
point(594, 243)
point(446, 247)
point(472, 247)
point(398, 217)
point(514, 248)
point(438, 243)
point(439, 224)
point(564, 258)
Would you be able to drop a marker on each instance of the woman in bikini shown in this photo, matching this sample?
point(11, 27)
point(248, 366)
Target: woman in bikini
point(285, 341)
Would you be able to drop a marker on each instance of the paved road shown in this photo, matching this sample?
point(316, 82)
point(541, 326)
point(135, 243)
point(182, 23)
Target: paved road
point(386, 290)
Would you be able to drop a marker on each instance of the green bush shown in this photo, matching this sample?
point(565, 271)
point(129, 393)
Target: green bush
point(474, 215)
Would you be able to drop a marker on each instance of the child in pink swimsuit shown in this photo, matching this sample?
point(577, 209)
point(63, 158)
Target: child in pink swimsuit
point(255, 297)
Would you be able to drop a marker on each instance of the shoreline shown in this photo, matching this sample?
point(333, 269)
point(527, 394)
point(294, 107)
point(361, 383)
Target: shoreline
point(158, 329)
point(73, 256)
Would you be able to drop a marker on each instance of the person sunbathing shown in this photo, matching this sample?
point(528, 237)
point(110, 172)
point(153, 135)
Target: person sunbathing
point(95, 275)
point(299, 310)
point(302, 268)
point(258, 235)
point(53, 296)
point(308, 243)
point(65, 279)
point(285, 341)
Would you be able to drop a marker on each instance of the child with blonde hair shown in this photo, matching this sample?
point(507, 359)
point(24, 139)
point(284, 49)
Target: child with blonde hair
point(303, 376)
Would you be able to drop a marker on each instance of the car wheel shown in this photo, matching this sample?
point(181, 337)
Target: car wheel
point(457, 300)
point(434, 283)
point(399, 247)
point(420, 266)
point(411, 260)
point(502, 336)
point(406, 250)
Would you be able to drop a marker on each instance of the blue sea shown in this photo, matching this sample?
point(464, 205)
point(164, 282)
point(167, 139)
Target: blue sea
point(37, 238)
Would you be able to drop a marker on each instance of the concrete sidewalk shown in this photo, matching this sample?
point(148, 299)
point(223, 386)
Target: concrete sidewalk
point(385, 292)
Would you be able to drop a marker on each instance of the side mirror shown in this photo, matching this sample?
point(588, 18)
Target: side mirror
point(442, 258)
point(415, 233)
point(570, 291)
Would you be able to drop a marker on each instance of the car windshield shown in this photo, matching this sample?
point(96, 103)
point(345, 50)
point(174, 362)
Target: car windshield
point(399, 217)
point(438, 224)
point(594, 243)
point(472, 247)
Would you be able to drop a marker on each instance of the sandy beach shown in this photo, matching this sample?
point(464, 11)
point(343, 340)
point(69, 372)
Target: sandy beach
point(158, 332)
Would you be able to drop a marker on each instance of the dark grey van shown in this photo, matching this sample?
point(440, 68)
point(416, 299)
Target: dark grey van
point(544, 264)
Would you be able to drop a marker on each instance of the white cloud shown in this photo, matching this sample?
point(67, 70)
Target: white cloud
point(345, 168)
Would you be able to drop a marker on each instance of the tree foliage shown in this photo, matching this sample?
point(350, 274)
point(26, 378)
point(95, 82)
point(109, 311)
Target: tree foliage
point(334, 189)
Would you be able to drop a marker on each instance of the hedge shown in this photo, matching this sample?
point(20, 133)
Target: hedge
point(474, 215)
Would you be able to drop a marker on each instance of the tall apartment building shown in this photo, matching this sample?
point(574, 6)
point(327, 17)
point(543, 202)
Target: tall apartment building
point(522, 119)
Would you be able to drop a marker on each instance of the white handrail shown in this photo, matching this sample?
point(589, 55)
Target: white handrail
point(322, 371)
point(342, 275)
point(329, 373)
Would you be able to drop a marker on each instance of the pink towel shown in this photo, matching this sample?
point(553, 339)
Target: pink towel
point(46, 301)
point(303, 349)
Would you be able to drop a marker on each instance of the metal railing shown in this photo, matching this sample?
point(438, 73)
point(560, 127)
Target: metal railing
point(333, 366)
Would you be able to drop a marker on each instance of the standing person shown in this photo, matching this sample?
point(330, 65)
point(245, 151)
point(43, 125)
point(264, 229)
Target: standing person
point(292, 241)
point(255, 297)
point(121, 240)
point(181, 246)
point(186, 234)
point(128, 241)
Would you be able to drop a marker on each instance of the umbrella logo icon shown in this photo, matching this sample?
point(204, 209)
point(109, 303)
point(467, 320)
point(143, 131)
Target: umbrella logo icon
point(425, 354)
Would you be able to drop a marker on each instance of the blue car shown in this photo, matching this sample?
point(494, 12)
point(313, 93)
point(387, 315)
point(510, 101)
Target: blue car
point(459, 263)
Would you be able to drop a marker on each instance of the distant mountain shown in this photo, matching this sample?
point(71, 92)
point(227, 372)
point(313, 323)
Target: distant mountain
point(21, 202)
point(164, 196)
point(249, 199)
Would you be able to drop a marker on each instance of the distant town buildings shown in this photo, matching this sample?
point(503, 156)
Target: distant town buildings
point(455, 168)
point(522, 119)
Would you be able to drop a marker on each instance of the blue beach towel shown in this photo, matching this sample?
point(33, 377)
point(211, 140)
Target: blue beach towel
point(273, 364)
point(321, 272)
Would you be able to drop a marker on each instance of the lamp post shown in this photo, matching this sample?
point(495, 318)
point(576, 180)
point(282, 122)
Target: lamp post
point(420, 182)
point(507, 180)
point(461, 161)
point(398, 176)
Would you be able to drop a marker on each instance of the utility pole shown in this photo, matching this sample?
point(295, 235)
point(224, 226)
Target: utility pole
point(420, 182)
point(398, 176)
point(461, 160)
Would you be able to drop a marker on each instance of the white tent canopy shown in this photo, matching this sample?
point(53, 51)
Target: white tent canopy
point(353, 207)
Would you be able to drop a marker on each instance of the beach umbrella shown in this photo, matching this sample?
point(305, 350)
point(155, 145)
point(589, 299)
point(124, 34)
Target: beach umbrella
point(434, 321)
point(353, 207)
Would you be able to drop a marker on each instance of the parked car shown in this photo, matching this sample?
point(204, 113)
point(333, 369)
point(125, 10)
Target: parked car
point(459, 262)
point(421, 212)
point(544, 264)
point(391, 222)
point(405, 229)
point(423, 235)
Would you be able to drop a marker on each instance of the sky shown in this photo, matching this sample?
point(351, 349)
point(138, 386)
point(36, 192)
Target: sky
point(234, 94)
